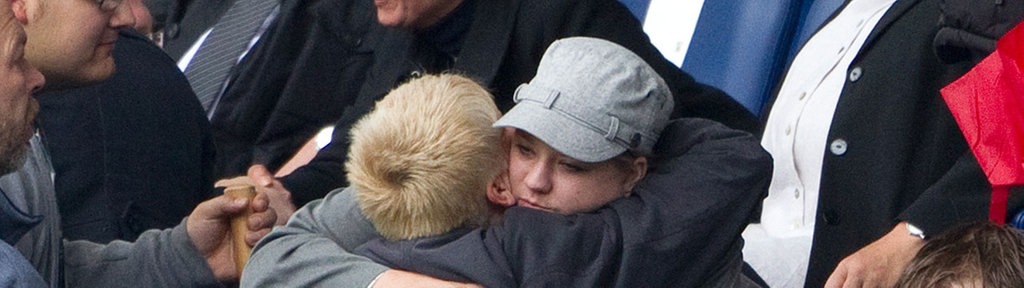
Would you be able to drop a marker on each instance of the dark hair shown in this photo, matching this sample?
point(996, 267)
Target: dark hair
point(977, 253)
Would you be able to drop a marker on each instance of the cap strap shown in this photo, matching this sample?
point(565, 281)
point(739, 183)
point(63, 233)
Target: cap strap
point(613, 129)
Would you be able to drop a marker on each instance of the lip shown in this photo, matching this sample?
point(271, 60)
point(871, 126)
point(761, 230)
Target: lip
point(108, 39)
point(528, 204)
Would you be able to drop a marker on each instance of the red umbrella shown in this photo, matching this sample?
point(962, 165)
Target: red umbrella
point(988, 104)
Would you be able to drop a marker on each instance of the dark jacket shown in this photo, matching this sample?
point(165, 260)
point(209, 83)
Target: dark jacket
point(183, 21)
point(502, 50)
point(680, 228)
point(894, 151)
point(968, 29)
point(130, 154)
point(299, 78)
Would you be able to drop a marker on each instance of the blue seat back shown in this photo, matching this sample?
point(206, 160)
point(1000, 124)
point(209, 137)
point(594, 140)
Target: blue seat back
point(638, 7)
point(743, 46)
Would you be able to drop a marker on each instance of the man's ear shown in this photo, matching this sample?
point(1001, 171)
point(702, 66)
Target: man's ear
point(638, 171)
point(498, 192)
point(20, 11)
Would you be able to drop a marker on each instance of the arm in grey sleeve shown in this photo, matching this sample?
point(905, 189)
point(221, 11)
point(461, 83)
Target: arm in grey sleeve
point(313, 248)
point(159, 258)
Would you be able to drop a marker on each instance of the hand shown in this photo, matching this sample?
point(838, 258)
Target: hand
point(880, 263)
point(209, 227)
point(399, 278)
point(280, 198)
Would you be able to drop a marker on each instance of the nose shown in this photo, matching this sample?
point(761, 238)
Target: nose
point(538, 179)
point(35, 80)
point(123, 16)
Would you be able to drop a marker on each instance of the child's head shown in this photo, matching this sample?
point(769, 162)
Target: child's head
point(976, 255)
point(422, 159)
point(582, 129)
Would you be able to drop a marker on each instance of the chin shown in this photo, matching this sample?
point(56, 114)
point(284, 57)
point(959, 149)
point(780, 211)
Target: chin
point(388, 22)
point(94, 74)
point(13, 157)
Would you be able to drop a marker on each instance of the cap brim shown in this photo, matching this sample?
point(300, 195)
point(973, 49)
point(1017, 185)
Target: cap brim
point(560, 132)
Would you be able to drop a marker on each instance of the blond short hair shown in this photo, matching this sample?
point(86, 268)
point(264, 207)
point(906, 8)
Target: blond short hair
point(422, 159)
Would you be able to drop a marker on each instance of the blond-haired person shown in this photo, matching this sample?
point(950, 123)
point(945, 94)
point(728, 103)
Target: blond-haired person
point(422, 159)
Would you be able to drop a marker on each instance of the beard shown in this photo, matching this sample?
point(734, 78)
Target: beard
point(14, 137)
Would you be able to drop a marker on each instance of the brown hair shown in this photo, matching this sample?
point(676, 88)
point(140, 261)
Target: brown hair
point(974, 255)
point(422, 159)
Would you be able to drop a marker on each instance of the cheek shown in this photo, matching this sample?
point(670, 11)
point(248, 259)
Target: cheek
point(516, 177)
point(59, 46)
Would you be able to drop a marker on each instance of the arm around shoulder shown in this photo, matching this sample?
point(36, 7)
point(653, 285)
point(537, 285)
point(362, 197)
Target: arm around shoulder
point(313, 248)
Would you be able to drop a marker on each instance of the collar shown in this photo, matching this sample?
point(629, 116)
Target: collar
point(14, 222)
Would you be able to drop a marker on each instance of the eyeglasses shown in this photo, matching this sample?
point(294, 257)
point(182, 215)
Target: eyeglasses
point(109, 5)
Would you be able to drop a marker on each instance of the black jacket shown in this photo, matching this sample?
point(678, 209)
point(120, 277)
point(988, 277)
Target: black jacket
point(130, 154)
point(904, 158)
point(968, 29)
point(300, 77)
point(183, 21)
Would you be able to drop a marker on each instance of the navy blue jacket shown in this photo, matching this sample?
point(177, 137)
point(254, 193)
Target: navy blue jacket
point(130, 154)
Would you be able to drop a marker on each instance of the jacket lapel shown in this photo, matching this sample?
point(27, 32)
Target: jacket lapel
point(894, 13)
point(390, 49)
point(488, 37)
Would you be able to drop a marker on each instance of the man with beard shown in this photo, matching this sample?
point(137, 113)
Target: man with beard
point(17, 110)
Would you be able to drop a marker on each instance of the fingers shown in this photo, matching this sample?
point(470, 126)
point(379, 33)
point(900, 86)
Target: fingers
point(259, 225)
point(261, 176)
point(208, 223)
point(260, 203)
point(837, 278)
point(261, 220)
point(221, 207)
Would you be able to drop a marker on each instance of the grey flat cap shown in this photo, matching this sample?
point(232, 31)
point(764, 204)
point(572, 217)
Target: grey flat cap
point(592, 100)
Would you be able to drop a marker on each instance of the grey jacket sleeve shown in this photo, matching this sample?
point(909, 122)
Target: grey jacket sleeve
point(17, 272)
point(312, 250)
point(158, 258)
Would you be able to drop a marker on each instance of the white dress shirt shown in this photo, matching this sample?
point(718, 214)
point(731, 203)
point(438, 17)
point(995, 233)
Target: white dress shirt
point(796, 134)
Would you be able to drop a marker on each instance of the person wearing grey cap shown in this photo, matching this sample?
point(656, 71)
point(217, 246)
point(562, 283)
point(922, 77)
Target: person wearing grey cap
point(583, 131)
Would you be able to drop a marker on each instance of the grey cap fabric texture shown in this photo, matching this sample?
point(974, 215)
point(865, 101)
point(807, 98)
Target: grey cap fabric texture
point(592, 100)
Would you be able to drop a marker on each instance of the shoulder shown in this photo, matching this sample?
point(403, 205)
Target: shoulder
point(17, 271)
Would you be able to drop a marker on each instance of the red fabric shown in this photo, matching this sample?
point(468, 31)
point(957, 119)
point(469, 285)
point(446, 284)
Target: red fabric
point(988, 104)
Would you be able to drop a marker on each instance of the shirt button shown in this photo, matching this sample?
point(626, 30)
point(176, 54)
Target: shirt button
point(803, 95)
point(796, 193)
point(841, 49)
point(789, 130)
point(855, 74)
point(838, 147)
